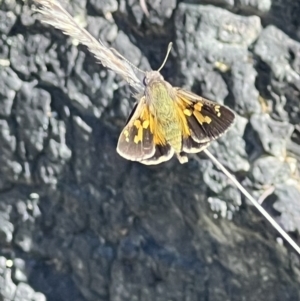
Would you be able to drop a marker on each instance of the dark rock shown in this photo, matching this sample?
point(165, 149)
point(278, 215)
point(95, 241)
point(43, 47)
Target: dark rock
point(19, 270)
point(281, 54)
point(275, 48)
point(10, 169)
point(287, 196)
point(274, 135)
point(216, 24)
point(10, 291)
point(38, 297)
point(6, 229)
point(32, 108)
point(22, 237)
point(10, 84)
point(81, 223)
point(156, 13)
point(107, 6)
point(8, 5)
point(2, 265)
point(245, 95)
point(8, 288)
point(26, 17)
point(231, 148)
point(23, 54)
point(23, 292)
point(226, 3)
point(268, 171)
point(160, 11)
point(284, 15)
point(255, 5)
point(7, 21)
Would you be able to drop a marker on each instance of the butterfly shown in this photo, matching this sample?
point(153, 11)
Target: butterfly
point(166, 120)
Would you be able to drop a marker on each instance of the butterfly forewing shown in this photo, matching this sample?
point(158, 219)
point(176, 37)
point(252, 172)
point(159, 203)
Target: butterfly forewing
point(206, 120)
point(136, 139)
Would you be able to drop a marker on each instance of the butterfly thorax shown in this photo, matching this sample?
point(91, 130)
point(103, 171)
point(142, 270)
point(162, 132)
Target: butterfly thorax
point(160, 99)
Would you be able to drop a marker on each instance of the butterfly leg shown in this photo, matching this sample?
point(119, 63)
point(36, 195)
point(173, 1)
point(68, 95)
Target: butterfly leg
point(182, 158)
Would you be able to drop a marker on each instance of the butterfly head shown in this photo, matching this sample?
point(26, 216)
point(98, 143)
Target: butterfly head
point(152, 77)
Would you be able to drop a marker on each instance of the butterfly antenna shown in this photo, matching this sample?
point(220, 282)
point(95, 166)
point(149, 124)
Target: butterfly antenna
point(127, 61)
point(252, 200)
point(167, 55)
point(144, 7)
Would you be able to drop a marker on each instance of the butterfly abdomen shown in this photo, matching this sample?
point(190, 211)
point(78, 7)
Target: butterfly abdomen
point(173, 136)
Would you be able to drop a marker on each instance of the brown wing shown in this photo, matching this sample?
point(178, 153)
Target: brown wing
point(162, 153)
point(136, 140)
point(191, 147)
point(204, 120)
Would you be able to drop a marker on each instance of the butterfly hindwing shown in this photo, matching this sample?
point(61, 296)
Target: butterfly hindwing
point(162, 153)
point(191, 147)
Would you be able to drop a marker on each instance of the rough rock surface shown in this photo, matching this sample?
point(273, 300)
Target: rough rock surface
point(79, 223)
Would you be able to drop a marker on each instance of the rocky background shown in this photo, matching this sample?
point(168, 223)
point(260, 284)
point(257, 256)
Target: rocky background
point(80, 223)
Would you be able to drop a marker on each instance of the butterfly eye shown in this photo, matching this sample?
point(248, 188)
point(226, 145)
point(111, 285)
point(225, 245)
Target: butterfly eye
point(145, 81)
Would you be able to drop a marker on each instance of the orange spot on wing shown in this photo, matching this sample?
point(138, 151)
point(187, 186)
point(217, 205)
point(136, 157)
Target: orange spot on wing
point(201, 119)
point(137, 123)
point(139, 136)
point(146, 124)
point(149, 120)
point(187, 112)
point(198, 106)
point(182, 111)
